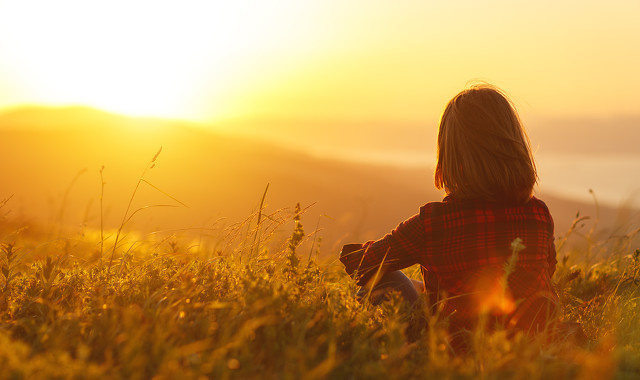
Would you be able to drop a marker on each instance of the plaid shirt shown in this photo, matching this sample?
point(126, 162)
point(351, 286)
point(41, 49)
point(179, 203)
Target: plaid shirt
point(462, 243)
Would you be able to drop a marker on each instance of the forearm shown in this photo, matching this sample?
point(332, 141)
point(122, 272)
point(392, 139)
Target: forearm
point(399, 249)
point(363, 261)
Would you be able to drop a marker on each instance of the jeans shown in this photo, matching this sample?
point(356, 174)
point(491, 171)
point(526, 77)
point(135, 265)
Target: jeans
point(390, 281)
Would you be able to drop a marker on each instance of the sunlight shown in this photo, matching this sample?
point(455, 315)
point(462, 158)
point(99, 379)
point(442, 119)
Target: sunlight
point(141, 58)
point(212, 60)
point(107, 60)
point(491, 295)
point(497, 301)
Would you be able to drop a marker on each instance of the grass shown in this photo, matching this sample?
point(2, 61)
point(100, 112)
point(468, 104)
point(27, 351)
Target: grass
point(252, 305)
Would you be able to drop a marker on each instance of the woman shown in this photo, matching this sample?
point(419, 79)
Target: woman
point(487, 248)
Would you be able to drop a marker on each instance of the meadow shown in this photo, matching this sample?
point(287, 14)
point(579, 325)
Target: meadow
point(266, 297)
point(113, 304)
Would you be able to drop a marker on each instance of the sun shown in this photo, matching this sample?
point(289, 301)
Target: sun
point(144, 58)
point(133, 59)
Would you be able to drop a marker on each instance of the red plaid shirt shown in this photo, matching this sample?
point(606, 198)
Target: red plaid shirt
point(460, 243)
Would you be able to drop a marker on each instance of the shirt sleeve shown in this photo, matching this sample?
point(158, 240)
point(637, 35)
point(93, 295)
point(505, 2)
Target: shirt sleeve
point(399, 249)
point(552, 259)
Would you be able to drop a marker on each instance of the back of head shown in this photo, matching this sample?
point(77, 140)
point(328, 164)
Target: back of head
point(483, 149)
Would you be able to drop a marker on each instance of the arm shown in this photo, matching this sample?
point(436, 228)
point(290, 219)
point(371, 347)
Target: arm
point(399, 249)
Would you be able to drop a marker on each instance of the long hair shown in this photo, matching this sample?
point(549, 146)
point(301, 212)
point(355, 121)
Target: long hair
point(483, 150)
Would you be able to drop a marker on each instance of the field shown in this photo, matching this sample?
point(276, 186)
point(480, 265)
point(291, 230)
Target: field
point(111, 304)
point(263, 296)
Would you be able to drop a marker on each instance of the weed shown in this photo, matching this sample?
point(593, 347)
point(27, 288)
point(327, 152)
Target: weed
point(294, 241)
point(128, 214)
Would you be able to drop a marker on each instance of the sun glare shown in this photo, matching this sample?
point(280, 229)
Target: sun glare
point(210, 60)
point(176, 60)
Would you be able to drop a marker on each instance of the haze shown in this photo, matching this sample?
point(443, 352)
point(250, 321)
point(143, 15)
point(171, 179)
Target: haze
point(332, 60)
point(347, 80)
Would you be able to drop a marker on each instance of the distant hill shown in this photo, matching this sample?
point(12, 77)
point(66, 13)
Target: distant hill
point(50, 161)
point(593, 135)
point(557, 135)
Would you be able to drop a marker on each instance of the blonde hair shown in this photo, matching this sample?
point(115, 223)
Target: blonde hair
point(483, 149)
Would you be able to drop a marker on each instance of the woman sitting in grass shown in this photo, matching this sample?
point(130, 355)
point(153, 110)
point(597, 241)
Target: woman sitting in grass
point(487, 249)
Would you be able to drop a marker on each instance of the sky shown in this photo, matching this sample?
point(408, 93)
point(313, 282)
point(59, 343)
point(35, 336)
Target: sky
point(357, 80)
point(402, 60)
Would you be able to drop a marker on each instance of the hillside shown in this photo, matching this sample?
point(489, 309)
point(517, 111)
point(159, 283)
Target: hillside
point(50, 161)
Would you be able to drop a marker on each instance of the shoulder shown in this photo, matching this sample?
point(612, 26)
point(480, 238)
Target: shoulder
point(540, 210)
point(451, 205)
point(448, 209)
point(434, 208)
point(538, 205)
point(536, 202)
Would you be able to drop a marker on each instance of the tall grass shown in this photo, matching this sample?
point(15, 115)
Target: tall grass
point(251, 306)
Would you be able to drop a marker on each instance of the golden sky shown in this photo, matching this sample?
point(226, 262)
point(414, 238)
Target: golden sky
point(332, 59)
